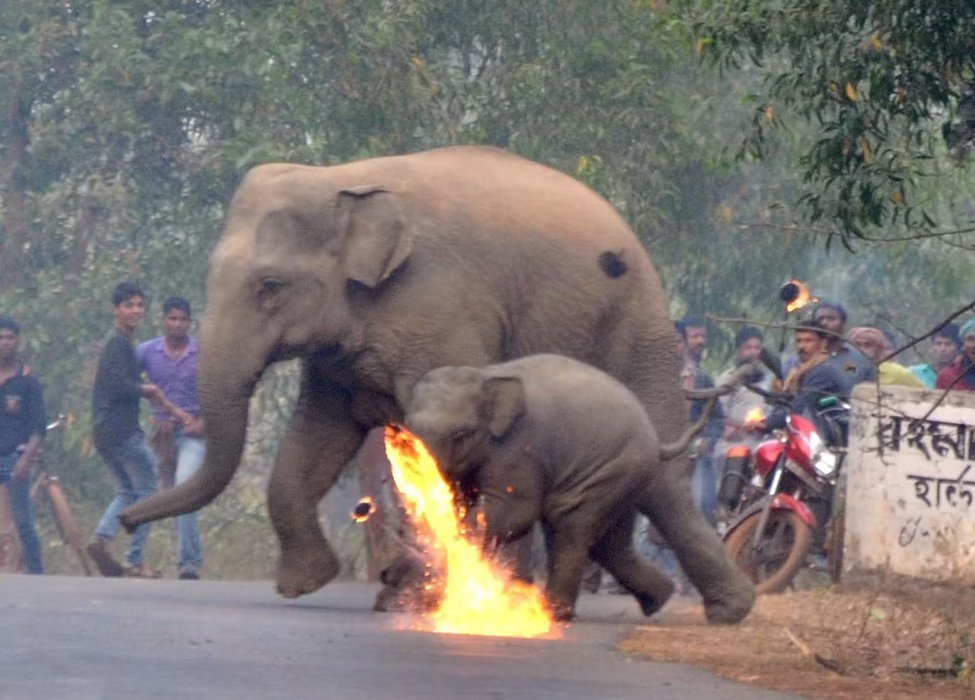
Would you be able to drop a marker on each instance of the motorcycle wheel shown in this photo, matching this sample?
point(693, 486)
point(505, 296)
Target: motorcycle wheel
point(837, 531)
point(781, 553)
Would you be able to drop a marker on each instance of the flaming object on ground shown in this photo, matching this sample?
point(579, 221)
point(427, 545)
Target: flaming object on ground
point(479, 596)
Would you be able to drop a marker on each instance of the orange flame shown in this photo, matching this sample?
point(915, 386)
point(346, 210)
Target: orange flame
point(805, 297)
point(755, 415)
point(479, 596)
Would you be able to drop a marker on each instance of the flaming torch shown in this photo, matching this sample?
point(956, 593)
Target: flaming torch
point(479, 596)
point(796, 295)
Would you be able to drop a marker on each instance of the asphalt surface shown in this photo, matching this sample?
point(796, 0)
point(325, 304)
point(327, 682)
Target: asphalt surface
point(98, 638)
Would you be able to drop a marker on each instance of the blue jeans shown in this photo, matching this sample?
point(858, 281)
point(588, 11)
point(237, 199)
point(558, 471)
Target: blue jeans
point(660, 554)
point(133, 465)
point(22, 513)
point(189, 457)
point(704, 489)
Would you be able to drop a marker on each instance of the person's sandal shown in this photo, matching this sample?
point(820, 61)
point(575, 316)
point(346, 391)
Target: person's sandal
point(140, 571)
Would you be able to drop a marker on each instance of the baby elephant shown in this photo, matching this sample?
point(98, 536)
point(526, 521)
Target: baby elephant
point(549, 438)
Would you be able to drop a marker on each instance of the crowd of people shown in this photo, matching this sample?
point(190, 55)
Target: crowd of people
point(829, 360)
point(163, 371)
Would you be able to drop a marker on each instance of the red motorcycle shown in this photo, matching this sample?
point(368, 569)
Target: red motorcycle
point(780, 498)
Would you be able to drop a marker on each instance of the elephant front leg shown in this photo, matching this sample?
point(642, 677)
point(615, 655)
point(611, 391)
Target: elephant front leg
point(320, 440)
point(568, 558)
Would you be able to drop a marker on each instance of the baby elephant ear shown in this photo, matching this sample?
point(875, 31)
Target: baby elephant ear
point(504, 401)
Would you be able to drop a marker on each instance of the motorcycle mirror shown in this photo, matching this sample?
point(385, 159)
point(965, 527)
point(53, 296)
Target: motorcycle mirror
point(772, 361)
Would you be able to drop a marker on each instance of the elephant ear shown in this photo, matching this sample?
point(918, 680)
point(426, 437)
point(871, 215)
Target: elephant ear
point(504, 400)
point(378, 238)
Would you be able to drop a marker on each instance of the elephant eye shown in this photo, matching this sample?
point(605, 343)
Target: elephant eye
point(463, 434)
point(270, 286)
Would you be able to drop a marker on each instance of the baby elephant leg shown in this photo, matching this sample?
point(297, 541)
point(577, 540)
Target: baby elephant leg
point(615, 551)
point(567, 561)
point(516, 557)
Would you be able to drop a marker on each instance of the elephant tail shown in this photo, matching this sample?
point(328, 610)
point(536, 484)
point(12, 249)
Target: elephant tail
point(679, 446)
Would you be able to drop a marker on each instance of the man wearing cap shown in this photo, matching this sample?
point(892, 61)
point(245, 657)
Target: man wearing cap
point(945, 346)
point(843, 356)
point(814, 378)
point(960, 374)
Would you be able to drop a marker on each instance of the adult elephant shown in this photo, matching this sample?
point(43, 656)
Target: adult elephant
point(377, 271)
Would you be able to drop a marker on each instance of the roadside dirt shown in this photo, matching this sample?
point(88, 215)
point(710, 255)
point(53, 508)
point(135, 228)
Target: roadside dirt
point(873, 640)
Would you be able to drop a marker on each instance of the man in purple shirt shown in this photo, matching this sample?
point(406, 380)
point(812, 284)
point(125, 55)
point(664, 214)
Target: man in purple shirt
point(170, 362)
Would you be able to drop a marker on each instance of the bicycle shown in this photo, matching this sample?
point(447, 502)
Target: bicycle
point(46, 487)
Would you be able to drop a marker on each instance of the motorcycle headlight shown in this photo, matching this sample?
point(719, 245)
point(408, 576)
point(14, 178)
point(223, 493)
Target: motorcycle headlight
point(823, 460)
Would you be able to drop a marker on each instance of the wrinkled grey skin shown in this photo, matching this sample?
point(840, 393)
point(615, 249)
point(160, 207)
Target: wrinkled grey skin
point(377, 271)
point(548, 438)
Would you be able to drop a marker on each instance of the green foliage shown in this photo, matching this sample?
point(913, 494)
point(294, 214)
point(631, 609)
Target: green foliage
point(885, 87)
point(125, 127)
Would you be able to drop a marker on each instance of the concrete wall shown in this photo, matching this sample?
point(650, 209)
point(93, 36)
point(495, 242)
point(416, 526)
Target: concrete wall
point(910, 506)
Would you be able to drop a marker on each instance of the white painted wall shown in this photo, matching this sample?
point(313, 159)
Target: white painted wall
point(910, 506)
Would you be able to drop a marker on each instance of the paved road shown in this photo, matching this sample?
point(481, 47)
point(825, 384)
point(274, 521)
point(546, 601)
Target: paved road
point(83, 638)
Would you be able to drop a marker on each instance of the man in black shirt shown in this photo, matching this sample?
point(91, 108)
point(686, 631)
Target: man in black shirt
point(118, 436)
point(844, 357)
point(22, 427)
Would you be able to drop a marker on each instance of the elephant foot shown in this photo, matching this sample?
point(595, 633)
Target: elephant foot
point(411, 586)
point(731, 606)
point(651, 603)
point(303, 572)
point(560, 610)
point(563, 613)
point(412, 600)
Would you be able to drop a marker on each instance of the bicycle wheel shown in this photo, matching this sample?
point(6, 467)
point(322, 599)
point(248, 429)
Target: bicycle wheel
point(65, 522)
point(10, 554)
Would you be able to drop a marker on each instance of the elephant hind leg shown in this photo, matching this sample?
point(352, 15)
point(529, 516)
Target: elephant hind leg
point(615, 552)
point(727, 592)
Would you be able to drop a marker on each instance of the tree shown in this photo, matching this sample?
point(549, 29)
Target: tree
point(887, 86)
point(125, 126)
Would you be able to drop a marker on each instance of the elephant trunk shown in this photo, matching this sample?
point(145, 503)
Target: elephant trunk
point(676, 448)
point(226, 429)
point(679, 446)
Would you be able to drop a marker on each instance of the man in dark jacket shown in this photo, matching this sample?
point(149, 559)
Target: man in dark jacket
point(842, 355)
point(814, 378)
point(118, 436)
point(22, 427)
